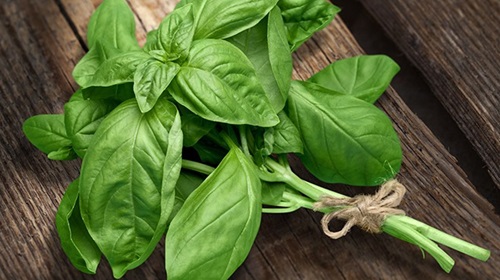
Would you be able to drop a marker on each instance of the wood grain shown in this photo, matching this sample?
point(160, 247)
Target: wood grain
point(456, 45)
point(36, 58)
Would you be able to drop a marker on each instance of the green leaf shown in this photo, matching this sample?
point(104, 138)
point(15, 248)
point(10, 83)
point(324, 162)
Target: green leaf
point(188, 182)
point(128, 179)
point(82, 118)
point(75, 239)
point(346, 140)
point(303, 18)
point(117, 70)
point(213, 232)
point(365, 77)
point(150, 81)
point(286, 136)
point(87, 66)
point(194, 127)
point(174, 36)
point(113, 23)
point(272, 192)
point(266, 47)
point(47, 132)
point(66, 153)
point(225, 18)
point(77, 96)
point(218, 83)
point(111, 31)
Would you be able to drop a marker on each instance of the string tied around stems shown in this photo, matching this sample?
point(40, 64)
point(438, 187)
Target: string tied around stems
point(366, 211)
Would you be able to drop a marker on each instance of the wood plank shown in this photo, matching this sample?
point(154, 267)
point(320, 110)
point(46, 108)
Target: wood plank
point(455, 44)
point(36, 62)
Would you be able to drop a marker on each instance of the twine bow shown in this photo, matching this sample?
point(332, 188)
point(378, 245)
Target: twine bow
point(366, 211)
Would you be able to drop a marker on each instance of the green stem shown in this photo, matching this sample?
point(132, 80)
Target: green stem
point(244, 142)
point(402, 227)
point(407, 233)
point(197, 166)
point(444, 238)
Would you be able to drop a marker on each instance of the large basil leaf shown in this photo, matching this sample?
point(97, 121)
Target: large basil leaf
point(111, 31)
point(346, 140)
point(286, 136)
point(215, 228)
point(150, 81)
point(82, 118)
point(218, 83)
point(127, 181)
point(119, 69)
point(266, 46)
point(47, 132)
point(174, 36)
point(305, 17)
point(226, 18)
point(365, 77)
point(75, 239)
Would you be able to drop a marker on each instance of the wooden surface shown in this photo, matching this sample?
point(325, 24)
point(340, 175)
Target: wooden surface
point(40, 43)
point(456, 46)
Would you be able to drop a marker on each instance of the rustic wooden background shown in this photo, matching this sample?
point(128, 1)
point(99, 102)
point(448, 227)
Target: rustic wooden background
point(40, 42)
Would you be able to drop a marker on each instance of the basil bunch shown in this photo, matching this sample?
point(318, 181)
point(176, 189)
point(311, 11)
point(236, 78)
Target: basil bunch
point(215, 77)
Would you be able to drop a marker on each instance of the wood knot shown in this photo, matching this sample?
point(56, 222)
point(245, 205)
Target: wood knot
point(366, 211)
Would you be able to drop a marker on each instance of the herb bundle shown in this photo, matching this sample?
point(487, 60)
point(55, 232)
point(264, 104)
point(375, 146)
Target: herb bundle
point(215, 78)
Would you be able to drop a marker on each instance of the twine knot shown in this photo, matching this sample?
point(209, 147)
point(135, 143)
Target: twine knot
point(366, 211)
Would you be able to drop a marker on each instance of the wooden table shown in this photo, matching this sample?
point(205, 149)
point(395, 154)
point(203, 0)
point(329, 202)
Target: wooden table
point(40, 43)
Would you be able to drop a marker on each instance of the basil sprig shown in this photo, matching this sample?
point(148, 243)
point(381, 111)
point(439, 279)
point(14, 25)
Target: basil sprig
point(214, 80)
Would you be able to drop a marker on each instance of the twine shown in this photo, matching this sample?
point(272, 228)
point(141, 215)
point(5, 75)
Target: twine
point(366, 211)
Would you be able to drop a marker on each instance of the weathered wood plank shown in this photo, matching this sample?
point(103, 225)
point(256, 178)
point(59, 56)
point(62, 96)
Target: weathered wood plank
point(36, 60)
point(455, 44)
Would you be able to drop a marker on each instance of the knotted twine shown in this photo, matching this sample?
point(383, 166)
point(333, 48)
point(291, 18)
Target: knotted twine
point(366, 211)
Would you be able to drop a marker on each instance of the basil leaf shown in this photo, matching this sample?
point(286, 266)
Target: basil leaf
point(77, 96)
point(119, 69)
point(188, 182)
point(82, 118)
point(266, 47)
point(305, 17)
point(272, 192)
point(218, 83)
point(75, 239)
point(286, 136)
point(87, 66)
point(111, 31)
point(113, 23)
point(150, 80)
point(174, 36)
point(365, 77)
point(194, 127)
point(127, 182)
point(66, 153)
point(213, 232)
point(47, 132)
point(225, 18)
point(346, 140)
